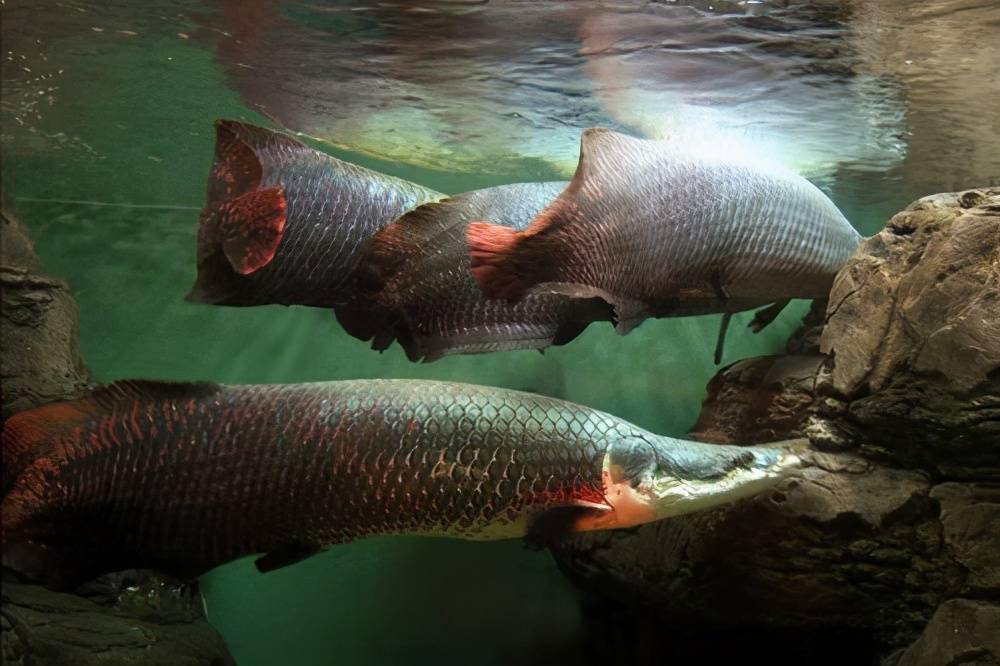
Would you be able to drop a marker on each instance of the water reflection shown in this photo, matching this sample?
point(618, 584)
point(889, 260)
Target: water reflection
point(828, 87)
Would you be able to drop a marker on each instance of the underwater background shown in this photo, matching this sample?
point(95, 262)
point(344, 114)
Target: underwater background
point(107, 138)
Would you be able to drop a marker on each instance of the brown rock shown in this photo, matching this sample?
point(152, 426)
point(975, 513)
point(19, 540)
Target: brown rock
point(962, 631)
point(38, 328)
point(761, 399)
point(923, 295)
point(44, 627)
point(913, 330)
point(970, 515)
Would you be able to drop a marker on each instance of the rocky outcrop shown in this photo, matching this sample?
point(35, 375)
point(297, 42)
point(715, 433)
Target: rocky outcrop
point(128, 618)
point(962, 631)
point(38, 329)
point(896, 519)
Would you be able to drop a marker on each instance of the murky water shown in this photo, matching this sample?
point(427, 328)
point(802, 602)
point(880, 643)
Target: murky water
point(107, 113)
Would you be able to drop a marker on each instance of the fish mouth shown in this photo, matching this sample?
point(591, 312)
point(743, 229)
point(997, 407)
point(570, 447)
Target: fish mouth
point(757, 469)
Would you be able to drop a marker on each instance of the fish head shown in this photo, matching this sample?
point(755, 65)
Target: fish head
point(647, 477)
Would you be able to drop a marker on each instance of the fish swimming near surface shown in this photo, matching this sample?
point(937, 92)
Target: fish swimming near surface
point(283, 223)
point(414, 285)
point(658, 230)
point(183, 477)
point(286, 224)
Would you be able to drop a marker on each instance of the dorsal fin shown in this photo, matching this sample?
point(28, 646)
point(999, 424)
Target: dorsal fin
point(149, 389)
point(403, 242)
point(256, 137)
point(603, 151)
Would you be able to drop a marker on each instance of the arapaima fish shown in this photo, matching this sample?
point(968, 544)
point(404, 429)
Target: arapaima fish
point(184, 477)
point(414, 283)
point(658, 230)
point(283, 223)
point(287, 224)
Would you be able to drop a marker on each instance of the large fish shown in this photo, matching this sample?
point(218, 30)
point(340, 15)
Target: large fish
point(283, 222)
point(414, 283)
point(184, 477)
point(657, 230)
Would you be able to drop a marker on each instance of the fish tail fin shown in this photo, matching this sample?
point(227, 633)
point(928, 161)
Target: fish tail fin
point(241, 225)
point(492, 253)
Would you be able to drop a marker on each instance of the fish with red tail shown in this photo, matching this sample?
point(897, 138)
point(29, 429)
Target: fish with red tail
point(286, 224)
point(184, 477)
point(658, 230)
point(283, 223)
point(414, 285)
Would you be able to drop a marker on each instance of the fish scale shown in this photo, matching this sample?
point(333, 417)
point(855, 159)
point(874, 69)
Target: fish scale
point(184, 477)
point(314, 258)
point(657, 229)
point(418, 268)
point(285, 459)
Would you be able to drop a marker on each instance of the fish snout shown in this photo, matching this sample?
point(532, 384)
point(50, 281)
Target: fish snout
point(703, 476)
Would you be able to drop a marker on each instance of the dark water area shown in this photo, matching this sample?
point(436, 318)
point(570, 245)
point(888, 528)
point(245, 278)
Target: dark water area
point(107, 137)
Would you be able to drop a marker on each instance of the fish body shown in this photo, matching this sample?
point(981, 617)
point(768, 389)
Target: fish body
point(414, 283)
point(657, 230)
point(184, 477)
point(283, 223)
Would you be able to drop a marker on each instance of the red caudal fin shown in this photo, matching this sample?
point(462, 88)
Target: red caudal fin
point(251, 227)
point(491, 247)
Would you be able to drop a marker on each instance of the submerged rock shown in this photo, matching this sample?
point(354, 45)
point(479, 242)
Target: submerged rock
point(41, 362)
point(913, 340)
point(898, 512)
point(962, 631)
point(146, 621)
point(128, 618)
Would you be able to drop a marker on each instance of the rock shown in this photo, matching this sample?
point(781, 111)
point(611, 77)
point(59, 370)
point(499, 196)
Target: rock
point(895, 519)
point(41, 362)
point(970, 517)
point(922, 296)
point(913, 335)
point(962, 631)
point(45, 627)
point(761, 399)
point(128, 618)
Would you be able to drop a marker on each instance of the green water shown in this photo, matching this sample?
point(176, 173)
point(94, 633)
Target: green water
point(130, 131)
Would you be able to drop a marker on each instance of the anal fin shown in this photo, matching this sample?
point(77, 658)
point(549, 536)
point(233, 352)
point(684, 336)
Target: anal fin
point(286, 555)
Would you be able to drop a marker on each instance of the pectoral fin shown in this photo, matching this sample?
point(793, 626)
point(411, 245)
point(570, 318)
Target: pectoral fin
point(553, 524)
point(720, 343)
